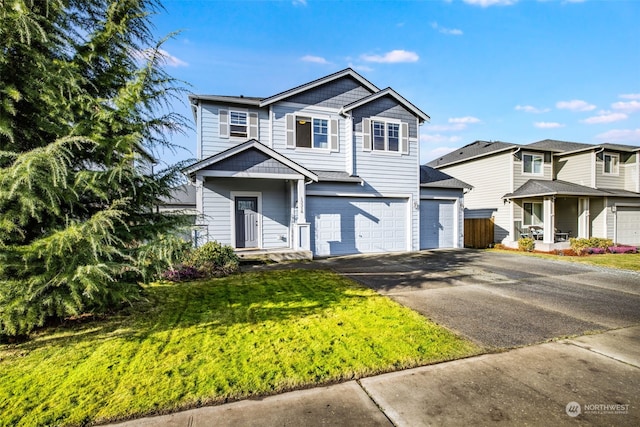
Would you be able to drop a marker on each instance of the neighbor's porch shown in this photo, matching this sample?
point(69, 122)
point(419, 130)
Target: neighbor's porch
point(551, 220)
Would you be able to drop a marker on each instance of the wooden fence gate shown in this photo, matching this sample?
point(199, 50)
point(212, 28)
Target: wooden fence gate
point(478, 233)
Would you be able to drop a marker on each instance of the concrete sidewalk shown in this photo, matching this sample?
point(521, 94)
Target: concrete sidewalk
point(589, 380)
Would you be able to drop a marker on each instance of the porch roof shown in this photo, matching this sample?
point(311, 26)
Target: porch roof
point(336, 176)
point(541, 188)
point(269, 163)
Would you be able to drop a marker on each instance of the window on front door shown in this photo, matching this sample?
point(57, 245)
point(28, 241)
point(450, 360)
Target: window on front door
point(532, 164)
point(533, 213)
point(312, 132)
point(611, 164)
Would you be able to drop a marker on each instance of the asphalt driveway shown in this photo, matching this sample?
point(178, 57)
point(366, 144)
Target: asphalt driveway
point(501, 300)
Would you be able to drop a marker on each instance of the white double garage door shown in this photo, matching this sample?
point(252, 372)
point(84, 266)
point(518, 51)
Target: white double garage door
point(348, 225)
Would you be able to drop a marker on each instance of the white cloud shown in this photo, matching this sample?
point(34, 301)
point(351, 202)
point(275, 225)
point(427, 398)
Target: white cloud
point(362, 68)
point(170, 60)
point(531, 109)
point(627, 107)
point(314, 59)
point(605, 117)
point(439, 139)
point(575, 105)
point(487, 3)
point(465, 120)
point(448, 31)
point(299, 2)
point(548, 125)
point(621, 136)
point(448, 128)
point(393, 56)
point(630, 96)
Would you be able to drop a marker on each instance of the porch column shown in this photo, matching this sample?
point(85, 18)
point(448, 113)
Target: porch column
point(302, 200)
point(583, 217)
point(303, 228)
point(548, 210)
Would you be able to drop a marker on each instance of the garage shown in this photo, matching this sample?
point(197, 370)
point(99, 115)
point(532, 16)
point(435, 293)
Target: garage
point(437, 224)
point(348, 225)
point(628, 225)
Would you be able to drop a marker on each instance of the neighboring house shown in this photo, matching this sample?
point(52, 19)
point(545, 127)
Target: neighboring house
point(551, 190)
point(330, 167)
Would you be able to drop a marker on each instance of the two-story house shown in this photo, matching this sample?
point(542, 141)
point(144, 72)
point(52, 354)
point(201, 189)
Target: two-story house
point(330, 167)
point(551, 190)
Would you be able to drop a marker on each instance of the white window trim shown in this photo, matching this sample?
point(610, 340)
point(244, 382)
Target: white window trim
point(386, 122)
point(246, 114)
point(312, 117)
point(524, 211)
point(616, 170)
point(533, 155)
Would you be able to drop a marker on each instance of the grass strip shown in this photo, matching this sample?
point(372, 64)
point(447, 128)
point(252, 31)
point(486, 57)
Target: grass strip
point(211, 341)
point(618, 261)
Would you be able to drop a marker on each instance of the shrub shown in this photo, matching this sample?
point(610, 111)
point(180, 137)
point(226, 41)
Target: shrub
point(181, 273)
point(582, 246)
point(526, 244)
point(596, 251)
point(213, 259)
point(623, 249)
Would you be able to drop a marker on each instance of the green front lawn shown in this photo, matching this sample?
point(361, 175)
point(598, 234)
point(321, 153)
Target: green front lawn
point(205, 342)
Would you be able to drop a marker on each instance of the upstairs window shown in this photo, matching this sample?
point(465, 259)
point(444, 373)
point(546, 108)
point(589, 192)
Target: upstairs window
point(238, 123)
point(611, 164)
point(312, 133)
point(385, 135)
point(532, 163)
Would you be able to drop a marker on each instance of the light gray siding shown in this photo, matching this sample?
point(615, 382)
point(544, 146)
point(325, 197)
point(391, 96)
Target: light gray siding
point(492, 178)
point(218, 208)
point(609, 180)
point(598, 218)
point(575, 168)
point(309, 157)
point(211, 141)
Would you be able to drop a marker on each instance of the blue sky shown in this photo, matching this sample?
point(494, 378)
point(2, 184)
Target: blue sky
point(501, 70)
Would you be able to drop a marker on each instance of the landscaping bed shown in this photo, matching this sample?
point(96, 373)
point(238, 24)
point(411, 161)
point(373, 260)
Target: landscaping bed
point(212, 341)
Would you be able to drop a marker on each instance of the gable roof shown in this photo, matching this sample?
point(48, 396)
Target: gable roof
point(393, 94)
point(433, 178)
point(182, 195)
point(244, 147)
point(472, 151)
point(347, 72)
point(566, 147)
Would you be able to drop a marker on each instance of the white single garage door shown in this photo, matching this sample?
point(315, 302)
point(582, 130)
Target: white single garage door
point(347, 225)
point(437, 224)
point(628, 225)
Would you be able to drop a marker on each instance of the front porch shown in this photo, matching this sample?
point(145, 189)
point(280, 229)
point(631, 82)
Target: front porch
point(273, 255)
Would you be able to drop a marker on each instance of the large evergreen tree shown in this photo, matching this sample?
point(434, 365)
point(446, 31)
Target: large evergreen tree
point(83, 100)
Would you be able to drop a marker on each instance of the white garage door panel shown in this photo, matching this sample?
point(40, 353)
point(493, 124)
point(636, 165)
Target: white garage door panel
point(628, 225)
point(437, 224)
point(347, 225)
